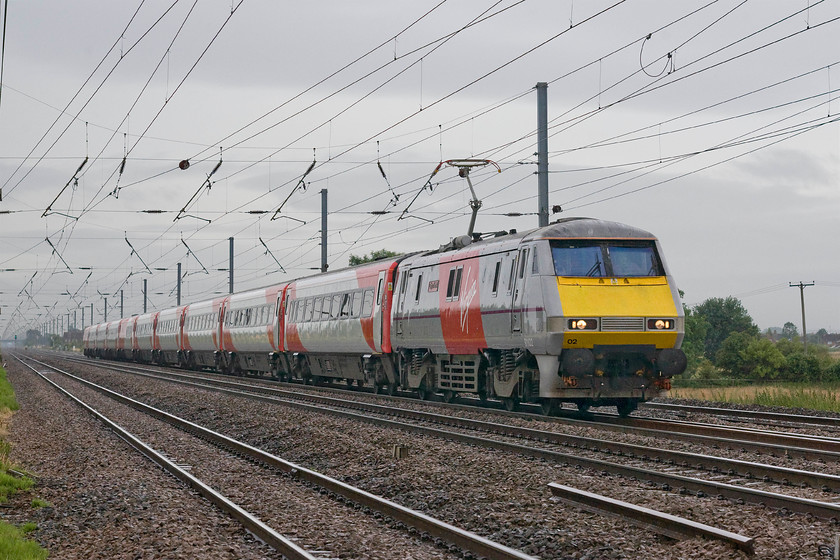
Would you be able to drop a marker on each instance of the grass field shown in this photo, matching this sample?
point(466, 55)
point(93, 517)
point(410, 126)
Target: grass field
point(814, 397)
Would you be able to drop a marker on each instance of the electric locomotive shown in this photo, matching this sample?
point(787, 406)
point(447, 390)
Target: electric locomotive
point(582, 310)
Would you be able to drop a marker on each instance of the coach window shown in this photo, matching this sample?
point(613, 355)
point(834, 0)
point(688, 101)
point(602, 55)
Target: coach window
point(326, 311)
point(367, 308)
point(419, 285)
point(403, 283)
point(457, 291)
point(379, 292)
point(346, 300)
point(335, 312)
point(496, 275)
point(310, 305)
point(319, 304)
point(453, 286)
point(522, 262)
point(357, 304)
point(512, 275)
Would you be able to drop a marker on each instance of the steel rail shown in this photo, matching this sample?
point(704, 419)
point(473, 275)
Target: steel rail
point(461, 538)
point(751, 414)
point(781, 445)
point(657, 521)
point(783, 475)
point(666, 480)
point(268, 535)
point(776, 443)
point(748, 469)
point(818, 443)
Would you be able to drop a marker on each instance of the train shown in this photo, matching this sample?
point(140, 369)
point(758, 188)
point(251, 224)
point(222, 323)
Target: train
point(583, 311)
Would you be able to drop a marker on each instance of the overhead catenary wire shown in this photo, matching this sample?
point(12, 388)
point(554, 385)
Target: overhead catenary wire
point(81, 88)
point(319, 178)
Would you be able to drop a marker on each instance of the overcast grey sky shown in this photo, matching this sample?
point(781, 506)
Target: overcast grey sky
point(709, 123)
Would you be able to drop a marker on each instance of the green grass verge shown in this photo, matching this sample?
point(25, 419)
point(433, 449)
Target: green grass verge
point(13, 544)
point(13, 541)
point(7, 394)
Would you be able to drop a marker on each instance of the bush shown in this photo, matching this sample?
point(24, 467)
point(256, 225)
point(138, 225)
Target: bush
point(802, 367)
point(832, 372)
point(703, 369)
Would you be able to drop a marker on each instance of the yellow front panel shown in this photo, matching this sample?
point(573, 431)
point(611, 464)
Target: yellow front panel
point(616, 297)
point(587, 339)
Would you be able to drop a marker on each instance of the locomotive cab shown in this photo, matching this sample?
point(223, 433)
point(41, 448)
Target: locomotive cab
point(620, 324)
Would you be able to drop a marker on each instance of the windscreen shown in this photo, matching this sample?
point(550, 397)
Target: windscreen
point(595, 259)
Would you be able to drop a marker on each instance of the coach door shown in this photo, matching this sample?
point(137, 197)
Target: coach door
point(378, 304)
point(517, 283)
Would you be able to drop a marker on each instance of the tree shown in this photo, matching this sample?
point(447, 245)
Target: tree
point(803, 367)
point(694, 342)
point(832, 372)
point(747, 356)
point(821, 334)
point(789, 331)
point(724, 317)
point(33, 337)
point(762, 360)
point(374, 256)
point(729, 356)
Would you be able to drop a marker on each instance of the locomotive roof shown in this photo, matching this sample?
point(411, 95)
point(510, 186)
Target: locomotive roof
point(565, 228)
point(587, 228)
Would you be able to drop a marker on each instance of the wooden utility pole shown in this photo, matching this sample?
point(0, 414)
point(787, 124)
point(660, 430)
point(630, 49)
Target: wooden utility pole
point(802, 287)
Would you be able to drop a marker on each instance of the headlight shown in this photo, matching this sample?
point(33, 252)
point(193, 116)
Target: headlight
point(583, 324)
point(661, 324)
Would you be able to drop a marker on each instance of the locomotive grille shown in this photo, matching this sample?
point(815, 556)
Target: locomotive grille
point(622, 324)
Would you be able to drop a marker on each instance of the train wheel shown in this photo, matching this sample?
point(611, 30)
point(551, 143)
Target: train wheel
point(449, 396)
point(626, 407)
point(510, 403)
point(583, 406)
point(391, 389)
point(548, 407)
point(423, 392)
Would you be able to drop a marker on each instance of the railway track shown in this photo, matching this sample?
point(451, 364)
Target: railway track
point(676, 471)
point(748, 415)
point(460, 543)
point(760, 441)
